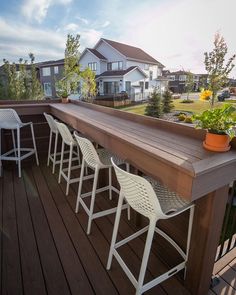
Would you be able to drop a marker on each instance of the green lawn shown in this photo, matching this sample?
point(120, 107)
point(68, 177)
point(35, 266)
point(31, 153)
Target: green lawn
point(196, 107)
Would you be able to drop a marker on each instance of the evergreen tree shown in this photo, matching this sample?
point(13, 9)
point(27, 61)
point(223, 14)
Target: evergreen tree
point(36, 87)
point(167, 102)
point(154, 109)
point(215, 67)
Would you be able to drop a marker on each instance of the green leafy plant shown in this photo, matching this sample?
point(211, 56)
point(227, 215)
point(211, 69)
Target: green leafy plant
point(217, 121)
point(188, 120)
point(182, 117)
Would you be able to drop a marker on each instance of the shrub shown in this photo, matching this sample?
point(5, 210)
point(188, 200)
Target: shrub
point(182, 117)
point(188, 119)
point(153, 109)
point(187, 101)
point(167, 102)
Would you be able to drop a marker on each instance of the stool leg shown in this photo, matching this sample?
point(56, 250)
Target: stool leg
point(148, 244)
point(69, 170)
point(55, 153)
point(49, 147)
point(18, 152)
point(110, 184)
point(61, 162)
point(14, 143)
point(115, 230)
point(95, 180)
point(34, 143)
point(80, 186)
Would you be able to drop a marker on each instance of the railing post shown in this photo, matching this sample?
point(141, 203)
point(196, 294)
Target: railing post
point(207, 224)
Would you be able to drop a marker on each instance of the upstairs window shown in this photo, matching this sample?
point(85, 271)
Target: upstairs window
point(146, 67)
point(114, 66)
point(92, 66)
point(171, 78)
point(150, 75)
point(46, 72)
point(182, 78)
point(146, 85)
point(56, 70)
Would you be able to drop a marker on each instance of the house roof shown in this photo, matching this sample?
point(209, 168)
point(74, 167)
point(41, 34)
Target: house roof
point(50, 63)
point(132, 52)
point(98, 54)
point(119, 72)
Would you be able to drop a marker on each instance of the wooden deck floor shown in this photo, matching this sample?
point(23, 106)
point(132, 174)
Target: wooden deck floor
point(44, 248)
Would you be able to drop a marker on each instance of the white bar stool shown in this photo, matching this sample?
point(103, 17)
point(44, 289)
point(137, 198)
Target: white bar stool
point(10, 120)
point(67, 139)
point(153, 200)
point(96, 160)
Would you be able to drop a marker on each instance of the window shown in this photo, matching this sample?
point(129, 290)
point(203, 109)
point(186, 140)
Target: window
point(182, 78)
point(114, 66)
point(46, 72)
point(56, 70)
point(146, 85)
point(146, 67)
point(128, 87)
point(111, 87)
point(171, 78)
point(47, 89)
point(150, 75)
point(92, 66)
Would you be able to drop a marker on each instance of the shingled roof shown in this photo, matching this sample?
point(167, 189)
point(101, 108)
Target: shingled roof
point(98, 54)
point(119, 72)
point(132, 52)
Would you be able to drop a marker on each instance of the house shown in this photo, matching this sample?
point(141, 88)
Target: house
point(120, 67)
point(177, 80)
point(49, 73)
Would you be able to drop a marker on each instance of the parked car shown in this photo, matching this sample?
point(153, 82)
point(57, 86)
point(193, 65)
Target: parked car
point(223, 95)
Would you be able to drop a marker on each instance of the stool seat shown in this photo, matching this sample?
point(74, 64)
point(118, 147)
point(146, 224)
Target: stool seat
point(105, 158)
point(169, 200)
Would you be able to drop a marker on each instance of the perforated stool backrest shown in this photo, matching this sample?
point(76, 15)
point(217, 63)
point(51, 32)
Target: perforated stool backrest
point(51, 122)
point(139, 193)
point(9, 117)
point(88, 150)
point(65, 133)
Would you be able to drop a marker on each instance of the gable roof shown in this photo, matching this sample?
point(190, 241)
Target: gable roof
point(98, 54)
point(132, 52)
point(120, 72)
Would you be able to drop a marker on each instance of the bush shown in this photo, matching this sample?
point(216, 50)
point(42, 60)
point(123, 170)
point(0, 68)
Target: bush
point(167, 102)
point(154, 109)
point(182, 117)
point(187, 101)
point(188, 119)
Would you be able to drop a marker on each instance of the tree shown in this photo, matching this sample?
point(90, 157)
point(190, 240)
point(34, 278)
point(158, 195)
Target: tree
point(20, 81)
point(189, 83)
point(69, 82)
point(88, 85)
point(216, 67)
point(167, 102)
point(153, 109)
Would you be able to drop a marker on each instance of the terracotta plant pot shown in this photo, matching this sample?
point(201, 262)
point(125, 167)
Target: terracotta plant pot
point(64, 99)
point(216, 142)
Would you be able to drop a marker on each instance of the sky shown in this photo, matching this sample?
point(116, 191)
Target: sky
point(175, 32)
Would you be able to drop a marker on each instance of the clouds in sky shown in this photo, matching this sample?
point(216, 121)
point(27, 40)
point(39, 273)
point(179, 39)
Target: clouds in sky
point(175, 32)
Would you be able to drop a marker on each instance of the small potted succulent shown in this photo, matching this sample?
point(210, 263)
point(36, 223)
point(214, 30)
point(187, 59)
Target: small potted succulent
point(219, 123)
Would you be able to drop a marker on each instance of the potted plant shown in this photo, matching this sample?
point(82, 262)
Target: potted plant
point(219, 123)
point(63, 90)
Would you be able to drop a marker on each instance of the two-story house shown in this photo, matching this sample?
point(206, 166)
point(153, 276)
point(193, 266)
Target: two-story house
point(120, 67)
point(50, 72)
point(177, 80)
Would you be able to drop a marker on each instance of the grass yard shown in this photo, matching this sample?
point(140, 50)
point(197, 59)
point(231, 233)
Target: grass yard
point(196, 107)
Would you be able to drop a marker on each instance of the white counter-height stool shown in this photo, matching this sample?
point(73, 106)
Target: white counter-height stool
point(68, 140)
point(10, 120)
point(96, 160)
point(153, 200)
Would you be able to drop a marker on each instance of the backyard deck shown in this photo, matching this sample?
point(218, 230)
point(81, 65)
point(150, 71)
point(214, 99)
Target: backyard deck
point(44, 247)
